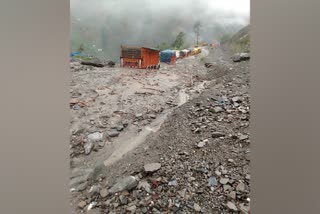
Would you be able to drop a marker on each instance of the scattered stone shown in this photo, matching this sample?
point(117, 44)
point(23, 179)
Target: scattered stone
point(230, 160)
point(101, 143)
point(212, 181)
point(232, 206)
point(232, 195)
point(244, 209)
point(236, 100)
point(226, 187)
point(240, 187)
point(243, 137)
point(217, 109)
point(182, 193)
point(82, 204)
point(125, 123)
point(127, 183)
point(94, 190)
point(97, 136)
point(123, 199)
point(94, 211)
point(152, 167)
point(88, 146)
point(173, 183)
point(139, 115)
point(113, 133)
point(218, 173)
point(152, 116)
point(120, 128)
point(132, 209)
point(196, 207)
point(201, 144)
point(217, 134)
point(104, 193)
point(92, 205)
point(145, 185)
point(224, 180)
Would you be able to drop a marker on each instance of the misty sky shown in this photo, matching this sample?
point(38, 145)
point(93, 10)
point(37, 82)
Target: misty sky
point(110, 23)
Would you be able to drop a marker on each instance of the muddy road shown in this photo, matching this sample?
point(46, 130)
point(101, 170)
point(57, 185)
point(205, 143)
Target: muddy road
point(169, 117)
point(123, 106)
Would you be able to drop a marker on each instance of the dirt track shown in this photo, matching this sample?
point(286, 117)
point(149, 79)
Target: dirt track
point(175, 143)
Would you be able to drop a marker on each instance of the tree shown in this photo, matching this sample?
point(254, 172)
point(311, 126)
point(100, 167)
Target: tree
point(196, 29)
point(179, 41)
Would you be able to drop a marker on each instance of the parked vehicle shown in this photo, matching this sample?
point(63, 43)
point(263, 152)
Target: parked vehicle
point(140, 57)
point(168, 56)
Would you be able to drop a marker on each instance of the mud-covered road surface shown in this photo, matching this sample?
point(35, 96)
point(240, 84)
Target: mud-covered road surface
point(191, 119)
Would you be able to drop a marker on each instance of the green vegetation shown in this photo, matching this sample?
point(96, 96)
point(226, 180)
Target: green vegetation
point(239, 42)
point(179, 41)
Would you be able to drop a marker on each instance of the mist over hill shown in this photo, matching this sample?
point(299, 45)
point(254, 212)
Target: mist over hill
point(107, 24)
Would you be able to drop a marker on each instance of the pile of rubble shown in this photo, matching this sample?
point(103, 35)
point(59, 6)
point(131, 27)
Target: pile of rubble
point(202, 164)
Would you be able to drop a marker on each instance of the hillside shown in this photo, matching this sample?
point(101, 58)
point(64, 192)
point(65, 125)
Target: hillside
point(239, 42)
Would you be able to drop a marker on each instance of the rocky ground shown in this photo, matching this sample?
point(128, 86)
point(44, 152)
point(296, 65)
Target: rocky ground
point(196, 160)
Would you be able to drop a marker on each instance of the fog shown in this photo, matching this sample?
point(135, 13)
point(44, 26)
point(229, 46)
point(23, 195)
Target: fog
point(107, 24)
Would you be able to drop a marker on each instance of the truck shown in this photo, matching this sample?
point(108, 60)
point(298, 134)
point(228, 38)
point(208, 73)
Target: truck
point(140, 57)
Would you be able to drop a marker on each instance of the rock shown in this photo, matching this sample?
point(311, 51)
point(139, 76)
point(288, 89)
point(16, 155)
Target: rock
point(244, 56)
point(230, 160)
point(82, 186)
point(94, 190)
point(131, 209)
point(218, 173)
point(144, 185)
point(232, 195)
point(236, 99)
point(113, 133)
point(152, 167)
point(232, 206)
point(224, 180)
point(217, 134)
point(101, 143)
point(173, 183)
point(182, 193)
point(236, 58)
point(82, 204)
point(104, 193)
point(244, 209)
point(94, 211)
point(127, 183)
point(97, 136)
point(123, 199)
point(120, 128)
point(248, 177)
point(139, 115)
point(88, 146)
point(201, 144)
point(226, 187)
point(243, 137)
point(217, 109)
point(92, 205)
point(125, 123)
point(152, 116)
point(240, 187)
point(212, 181)
point(196, 207)
point(98, 170)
